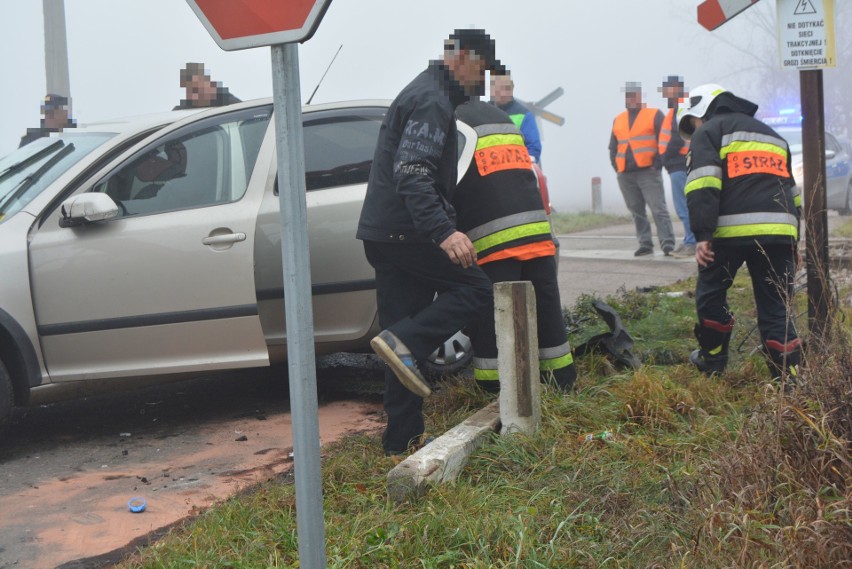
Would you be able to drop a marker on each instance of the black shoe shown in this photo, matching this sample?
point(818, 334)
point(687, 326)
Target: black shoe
point(642, 251)
point(667, 250)
point(708, 364)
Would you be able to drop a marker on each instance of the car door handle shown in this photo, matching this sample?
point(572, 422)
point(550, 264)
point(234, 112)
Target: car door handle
point(224, 239)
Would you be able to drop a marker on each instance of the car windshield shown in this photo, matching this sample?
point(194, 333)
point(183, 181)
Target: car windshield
point(794, 139)
point(25, 173)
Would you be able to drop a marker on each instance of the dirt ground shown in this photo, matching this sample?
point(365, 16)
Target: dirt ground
point(69, 469)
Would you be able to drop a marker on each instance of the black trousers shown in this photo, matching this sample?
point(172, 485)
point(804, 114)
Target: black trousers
point(772, 269)
point(408, 276)
point(555, 355)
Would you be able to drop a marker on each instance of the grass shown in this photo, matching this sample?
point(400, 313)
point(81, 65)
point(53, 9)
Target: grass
point(583, 221)
point(700, 473)
point(844, 230)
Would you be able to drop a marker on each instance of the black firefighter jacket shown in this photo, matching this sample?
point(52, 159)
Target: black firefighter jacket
point(740, 187)
point(415, 166)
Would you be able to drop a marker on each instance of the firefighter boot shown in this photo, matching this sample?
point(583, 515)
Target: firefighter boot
point(783, 361)
point(713, 338)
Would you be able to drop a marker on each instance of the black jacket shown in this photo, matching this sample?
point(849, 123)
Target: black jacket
point(740, 186)
point(498, 201)
point(673, 160)
point(415, 166)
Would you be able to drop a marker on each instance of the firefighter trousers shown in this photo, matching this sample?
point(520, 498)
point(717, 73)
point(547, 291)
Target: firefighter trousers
point(556, 362)
point(772, 269)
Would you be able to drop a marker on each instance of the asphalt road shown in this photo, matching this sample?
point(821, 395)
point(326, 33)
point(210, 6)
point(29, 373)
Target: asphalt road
point(601, 262)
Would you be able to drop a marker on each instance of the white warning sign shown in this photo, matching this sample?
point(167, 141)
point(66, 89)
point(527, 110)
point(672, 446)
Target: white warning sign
point(806, 34)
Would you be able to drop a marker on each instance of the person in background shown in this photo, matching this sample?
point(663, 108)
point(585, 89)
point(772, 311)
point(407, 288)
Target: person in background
point(503, 96)
point(744, 207)
point(673, 149)
point(499, 207)
point(201, 91)
point(56, 116)
point(409, 229)
point(634, 154)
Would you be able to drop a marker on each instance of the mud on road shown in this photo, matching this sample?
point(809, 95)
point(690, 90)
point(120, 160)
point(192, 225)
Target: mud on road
point(67, 470)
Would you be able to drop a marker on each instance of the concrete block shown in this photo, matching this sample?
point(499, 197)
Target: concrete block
point(443, 459)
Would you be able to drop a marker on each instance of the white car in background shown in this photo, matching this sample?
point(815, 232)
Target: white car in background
point(150, 248)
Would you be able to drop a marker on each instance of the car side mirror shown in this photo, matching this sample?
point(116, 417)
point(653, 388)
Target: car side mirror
point(829, 154)
point(87, 208)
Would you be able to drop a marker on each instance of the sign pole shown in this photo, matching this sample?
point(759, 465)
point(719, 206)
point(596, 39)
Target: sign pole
point(287, 101)
point(816, 215)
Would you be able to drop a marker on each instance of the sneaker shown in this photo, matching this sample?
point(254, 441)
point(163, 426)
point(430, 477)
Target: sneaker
point(642, 251)
point(399, 358)
point(667, 250)
point(684, 251)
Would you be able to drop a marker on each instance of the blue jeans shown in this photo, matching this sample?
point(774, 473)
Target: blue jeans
point(678, 180)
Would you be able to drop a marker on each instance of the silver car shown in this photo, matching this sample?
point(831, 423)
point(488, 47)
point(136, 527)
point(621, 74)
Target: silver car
point(838, 168)
point(151, 247)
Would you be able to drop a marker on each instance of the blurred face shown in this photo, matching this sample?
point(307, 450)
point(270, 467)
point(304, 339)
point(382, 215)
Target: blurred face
point(200, 91)
point(633, 100)
point(673, 94)
point(56, 118)
point(469, 70)
point(502, 89)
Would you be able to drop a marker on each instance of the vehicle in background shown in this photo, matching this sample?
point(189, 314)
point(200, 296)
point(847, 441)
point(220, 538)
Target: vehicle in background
point(838, 168)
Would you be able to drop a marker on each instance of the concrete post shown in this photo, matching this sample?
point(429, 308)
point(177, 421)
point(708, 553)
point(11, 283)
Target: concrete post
point(597, 202)
point(517, 359)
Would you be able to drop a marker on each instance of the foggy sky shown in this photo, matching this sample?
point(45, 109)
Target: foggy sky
point(125, 56)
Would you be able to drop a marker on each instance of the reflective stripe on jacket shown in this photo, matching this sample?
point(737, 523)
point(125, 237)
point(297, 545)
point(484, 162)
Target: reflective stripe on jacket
point(740, 184)
point(498, 203)
point(640, 138)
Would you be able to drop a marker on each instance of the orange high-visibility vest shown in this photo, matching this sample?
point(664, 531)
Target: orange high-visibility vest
point(641, 138)
point(666, 135)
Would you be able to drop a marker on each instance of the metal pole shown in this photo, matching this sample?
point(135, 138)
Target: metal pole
point(297, 305)
point(55, 48)
point(816, 215)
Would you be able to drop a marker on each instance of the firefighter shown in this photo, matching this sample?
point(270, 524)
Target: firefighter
point(498, 205)
point(744, 207)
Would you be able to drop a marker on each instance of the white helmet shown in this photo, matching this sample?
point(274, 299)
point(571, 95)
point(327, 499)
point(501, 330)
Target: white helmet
point(696, 105)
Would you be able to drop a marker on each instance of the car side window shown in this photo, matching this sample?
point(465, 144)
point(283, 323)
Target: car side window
point(339, 148)
point(203, 164)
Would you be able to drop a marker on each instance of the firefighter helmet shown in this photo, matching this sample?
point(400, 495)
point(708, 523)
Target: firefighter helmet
point(696, 105)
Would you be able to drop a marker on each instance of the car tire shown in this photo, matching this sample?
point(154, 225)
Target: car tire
point(6, 397)
point(847, 209)
point(453, 356)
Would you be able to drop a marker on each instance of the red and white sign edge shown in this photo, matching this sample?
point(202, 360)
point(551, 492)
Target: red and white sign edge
point(288, 36)
point(714, 13)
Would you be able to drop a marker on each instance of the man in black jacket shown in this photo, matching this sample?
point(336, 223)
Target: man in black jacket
point(409, 230)
point(744, 208)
